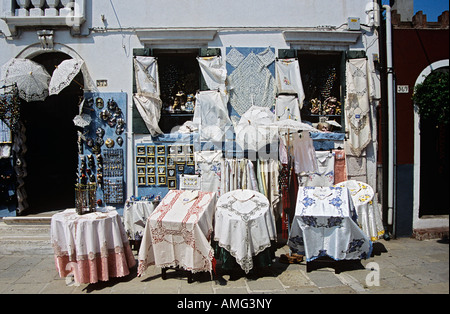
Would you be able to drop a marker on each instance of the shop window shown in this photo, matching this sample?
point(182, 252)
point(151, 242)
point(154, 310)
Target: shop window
point(323, 82)
point(179, 80)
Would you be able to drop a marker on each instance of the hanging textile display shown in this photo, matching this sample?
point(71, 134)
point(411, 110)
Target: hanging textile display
point(214, 72)
point(324, 176)
point(288, 78)
point(146, 73)
point(287, 107)
point(211, 115)
point(147, 99)
point(357, 105)
point(250, 80)
point(150, 110)
point(209, 165)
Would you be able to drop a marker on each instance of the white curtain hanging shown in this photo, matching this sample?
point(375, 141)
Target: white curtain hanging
point(150, 110)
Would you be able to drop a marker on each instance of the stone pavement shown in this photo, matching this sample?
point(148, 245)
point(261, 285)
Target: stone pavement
point(397, 266)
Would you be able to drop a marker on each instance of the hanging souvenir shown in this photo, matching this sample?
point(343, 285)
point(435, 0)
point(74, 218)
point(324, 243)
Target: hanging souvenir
point(100, 132)
point(99, 103)
point(119, 140)
point(109, 143)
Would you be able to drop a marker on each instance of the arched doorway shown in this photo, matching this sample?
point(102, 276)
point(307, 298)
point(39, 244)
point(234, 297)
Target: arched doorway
point(431, 154)
point(51, 140)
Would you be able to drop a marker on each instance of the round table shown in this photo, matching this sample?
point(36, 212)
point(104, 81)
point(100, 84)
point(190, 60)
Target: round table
point(244, 225)
point(91, 247)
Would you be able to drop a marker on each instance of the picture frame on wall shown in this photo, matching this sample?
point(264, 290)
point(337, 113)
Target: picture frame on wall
point(141, 180)
point(162, 180)
point(151, 150)
point(151, 180)
point(140, 160)
point(161, 150)
point(140, 150)
point(172, 184)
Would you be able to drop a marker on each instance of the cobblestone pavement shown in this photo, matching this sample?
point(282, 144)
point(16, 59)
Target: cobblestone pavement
point(397, 266)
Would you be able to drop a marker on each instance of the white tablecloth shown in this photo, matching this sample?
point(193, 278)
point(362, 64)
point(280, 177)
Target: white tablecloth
point(135, 216)
point(92, 246)
point(369, 216)
point(244, 225)
point(178, 232)
point(324, 225)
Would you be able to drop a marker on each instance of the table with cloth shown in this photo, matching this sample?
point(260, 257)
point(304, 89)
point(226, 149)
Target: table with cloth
point(91, 247)
point(135, 216)
point(244, 227)
point(325, 225)
point(177, 233)
point(369, 215)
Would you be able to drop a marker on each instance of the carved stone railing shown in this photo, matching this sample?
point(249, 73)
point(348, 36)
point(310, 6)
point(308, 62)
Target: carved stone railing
point(43, 13)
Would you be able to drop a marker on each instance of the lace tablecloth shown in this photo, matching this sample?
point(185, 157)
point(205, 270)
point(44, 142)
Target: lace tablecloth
point(244, 225)
point(178, 232)
point(369, 216)
point(91, 247)
point(135, 216)
point(324, 225)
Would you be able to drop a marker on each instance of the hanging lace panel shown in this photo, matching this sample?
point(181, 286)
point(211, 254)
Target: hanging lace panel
point(251, 82)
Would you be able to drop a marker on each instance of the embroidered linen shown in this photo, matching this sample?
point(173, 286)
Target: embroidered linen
point(324, 176)
point(288, 78)
point(324, 225)
point(287, 107)
point(251, 82)
point(214, 72)
point(357, 104)
point(340, 168)
point(92, 247)
point(146, 74)
point(178, 232)
point(190, 182)
point(369, 216)
point(211, 115)
point(209, 165)
point(150, 110)
point(244, 225)
point(135, 216)
point(305, 159)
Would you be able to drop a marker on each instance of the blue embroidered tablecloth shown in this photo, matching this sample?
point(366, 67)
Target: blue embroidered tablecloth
point(324, 225)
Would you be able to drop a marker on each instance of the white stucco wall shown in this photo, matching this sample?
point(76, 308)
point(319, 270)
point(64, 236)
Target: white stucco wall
point(106, 44)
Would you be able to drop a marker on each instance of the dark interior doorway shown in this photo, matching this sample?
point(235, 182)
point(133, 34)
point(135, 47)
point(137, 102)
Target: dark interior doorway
point(51, 140)
point(434, 166)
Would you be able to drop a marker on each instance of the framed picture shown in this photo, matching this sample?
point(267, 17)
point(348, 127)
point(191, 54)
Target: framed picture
point(172, 184)
point(189, 149)
point(141, 180)
point(162, 180)
point(161, 149)
point(140, 160)
point(172, 149)
point(151, 170)
point(161, 170)
point(151, 160)
point(151, 150)
point(180, 169)
point(161, 160)
point(140, 150)
point(181, 159)
point(151, 180)
point(180, 149)
point(190, 160)
point(171, 172)
point(171, 160)
point(140, 171)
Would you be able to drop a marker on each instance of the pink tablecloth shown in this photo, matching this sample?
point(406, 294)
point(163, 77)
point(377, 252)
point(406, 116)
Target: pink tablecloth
point(90, 247)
